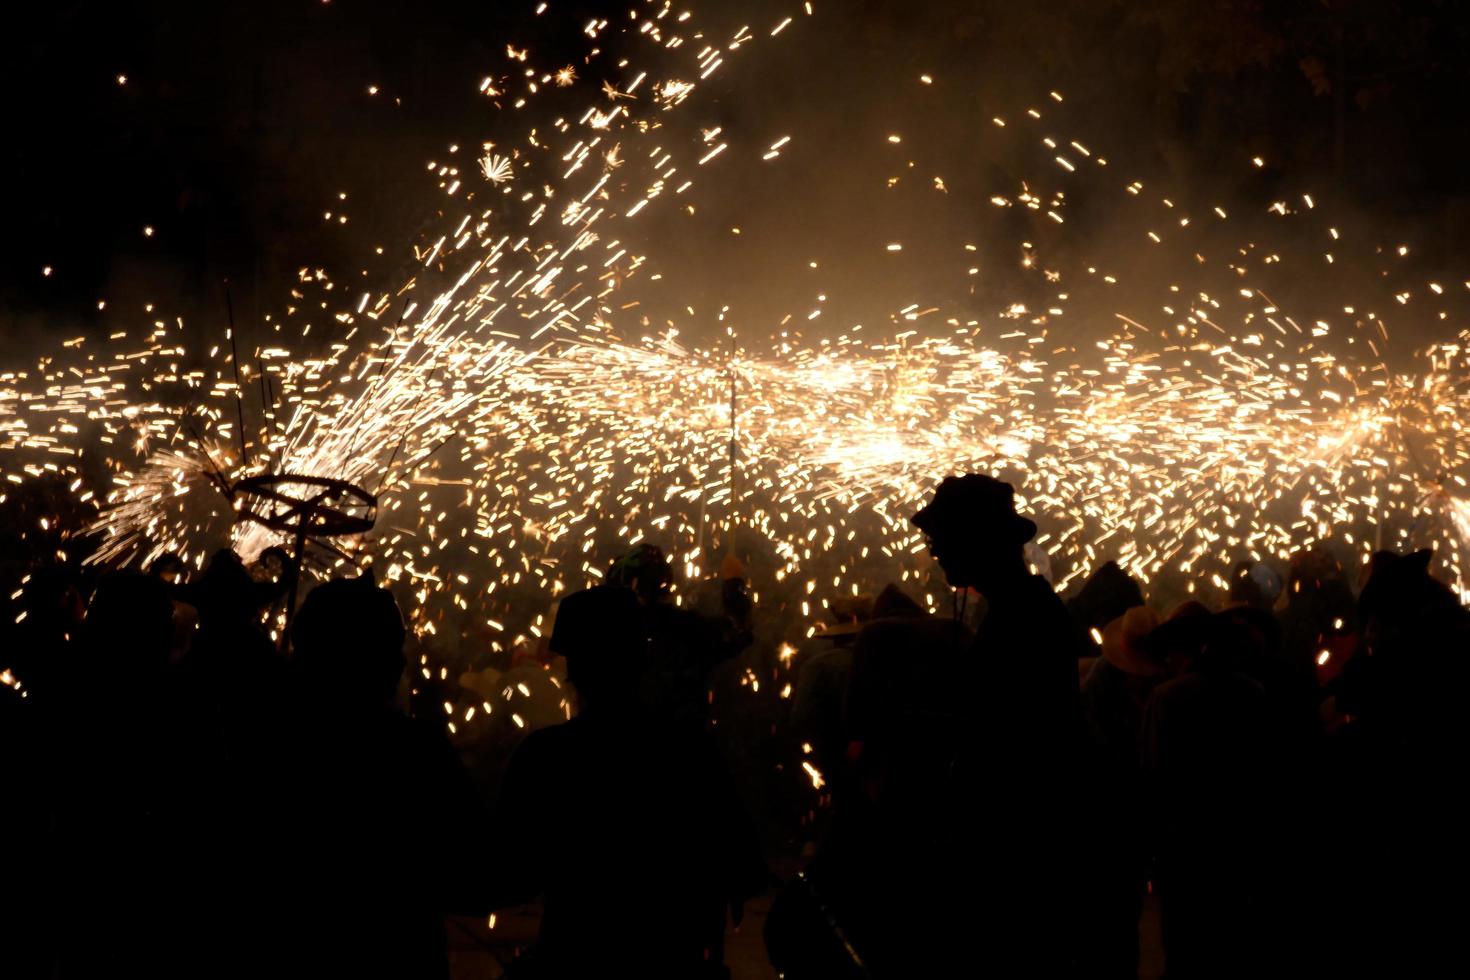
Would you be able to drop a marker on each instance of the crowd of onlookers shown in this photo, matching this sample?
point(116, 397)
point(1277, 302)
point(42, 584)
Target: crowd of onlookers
point(998, 788)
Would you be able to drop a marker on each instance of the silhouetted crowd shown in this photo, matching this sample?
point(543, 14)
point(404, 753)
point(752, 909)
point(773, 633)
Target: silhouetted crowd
point(1006, 788)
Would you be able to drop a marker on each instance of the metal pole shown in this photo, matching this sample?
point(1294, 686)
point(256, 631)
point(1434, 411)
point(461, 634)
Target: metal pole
point(235, 365)
point(267, 396)
point(295, 582)
point(734, 485)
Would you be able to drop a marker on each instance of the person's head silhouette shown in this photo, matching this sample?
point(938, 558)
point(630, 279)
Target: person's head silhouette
point(645, 570)
point(348, 639)
point(600, 632)
point(975, 533)
point(169, 567)
point(222, 592)
point(128, 629)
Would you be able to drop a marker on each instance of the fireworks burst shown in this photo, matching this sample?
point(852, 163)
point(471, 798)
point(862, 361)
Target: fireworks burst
point(519, 427)
point(496, 168)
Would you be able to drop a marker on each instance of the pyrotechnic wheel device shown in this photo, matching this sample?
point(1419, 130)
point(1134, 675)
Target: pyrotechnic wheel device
point(304, 507)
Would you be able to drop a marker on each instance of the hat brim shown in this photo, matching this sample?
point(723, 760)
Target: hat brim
point(931, 521)
point(1174, 634)
point(1132, 661)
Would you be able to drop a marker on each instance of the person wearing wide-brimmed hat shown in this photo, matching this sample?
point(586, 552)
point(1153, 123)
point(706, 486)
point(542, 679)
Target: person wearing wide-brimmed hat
point(1208, 759)
point(1116, 690)
point(975, 533)
point(1025, 650)
point(1015, 764)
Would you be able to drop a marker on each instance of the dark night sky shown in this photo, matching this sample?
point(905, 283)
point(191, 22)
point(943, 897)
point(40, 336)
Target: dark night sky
point(240, 123)
point(237, 127)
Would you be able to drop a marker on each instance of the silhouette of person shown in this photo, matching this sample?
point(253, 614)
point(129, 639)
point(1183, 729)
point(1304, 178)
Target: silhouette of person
point(625, 823)
point(170, 568)
point(231, 666)
point(233, 685)
point(1206, 742)
point(36, 642)
point(683, 645)
point(1398, 758)
point(818, 702)
point(112, 781)
point(27, 915)
point(1108, 593)
point(1320, 614)
point(899, 717)
point(1015, 768)
point(892, 714)
point(1118, 846)
point(1404, 690)
point(379, 804)
point(1255, 585)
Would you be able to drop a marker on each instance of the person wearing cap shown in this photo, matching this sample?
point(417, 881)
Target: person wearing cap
point(1015, 767)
